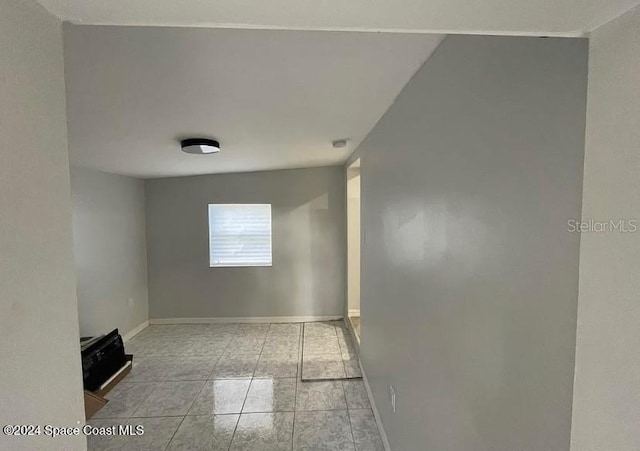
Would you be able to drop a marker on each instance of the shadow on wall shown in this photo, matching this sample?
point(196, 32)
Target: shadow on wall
point(310, 223)
point(299, 232)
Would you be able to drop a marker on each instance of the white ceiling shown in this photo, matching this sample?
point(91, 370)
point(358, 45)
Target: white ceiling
point(274, 99)
point(551, 17)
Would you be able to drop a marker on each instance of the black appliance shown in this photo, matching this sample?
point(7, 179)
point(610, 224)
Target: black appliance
point(101, 359)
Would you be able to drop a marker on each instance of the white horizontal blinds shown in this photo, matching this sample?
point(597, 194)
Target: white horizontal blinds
point(239, 235)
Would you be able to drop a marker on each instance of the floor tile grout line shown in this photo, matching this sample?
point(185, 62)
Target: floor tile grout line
point(344, 395)
point(353, 437)
point(262, 412)
point(262, 347)
point(295, 404)
point(233, 413)
point(298, 381)
point(240, 414)
point(230, 413)
point(344, 366)
point(235, 429)
point(174, 432)
point(203, 383)
point(195, 397)
point(145, 398)
point(219, 357)
point(325, 410)
point(214, 367)
point(227, 345)
point(301, 353)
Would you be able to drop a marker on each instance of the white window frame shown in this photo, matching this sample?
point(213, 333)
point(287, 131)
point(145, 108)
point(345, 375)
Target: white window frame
point(238, 264)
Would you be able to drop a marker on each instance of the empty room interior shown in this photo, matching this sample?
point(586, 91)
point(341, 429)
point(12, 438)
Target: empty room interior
point(299, 226)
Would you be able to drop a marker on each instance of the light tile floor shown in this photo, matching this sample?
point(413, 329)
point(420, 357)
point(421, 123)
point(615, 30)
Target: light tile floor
point(233, 387)
point(328, 352)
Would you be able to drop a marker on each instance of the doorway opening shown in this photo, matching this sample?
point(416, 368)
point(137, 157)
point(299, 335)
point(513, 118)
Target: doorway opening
point(353, 247)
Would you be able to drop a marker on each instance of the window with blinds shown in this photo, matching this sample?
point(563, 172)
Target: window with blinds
point(239, 235)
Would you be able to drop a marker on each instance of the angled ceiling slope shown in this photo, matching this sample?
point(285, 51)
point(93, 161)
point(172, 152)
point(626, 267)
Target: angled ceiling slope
point(274, 99)
point(517, 17)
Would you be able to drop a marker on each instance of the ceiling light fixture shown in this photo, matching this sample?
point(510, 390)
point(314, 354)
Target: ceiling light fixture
point(200, 146)
point(340, 143)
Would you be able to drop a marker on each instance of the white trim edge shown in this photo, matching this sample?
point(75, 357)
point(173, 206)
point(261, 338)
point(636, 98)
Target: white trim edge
point(376, 415)
point(248, 319)
point(354, 312)
point(108, 381)
point(135, 331)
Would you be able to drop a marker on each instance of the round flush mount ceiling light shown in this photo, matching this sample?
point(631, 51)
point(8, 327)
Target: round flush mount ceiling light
point(200, 146)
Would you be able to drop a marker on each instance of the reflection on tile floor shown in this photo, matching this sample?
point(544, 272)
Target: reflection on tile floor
point(238, 387)
point(328, 352)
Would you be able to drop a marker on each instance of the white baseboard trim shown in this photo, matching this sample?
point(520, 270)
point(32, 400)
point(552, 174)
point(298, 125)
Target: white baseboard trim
point(376, 414)
point(354, 312)
point(135, 331)
point(247, 319)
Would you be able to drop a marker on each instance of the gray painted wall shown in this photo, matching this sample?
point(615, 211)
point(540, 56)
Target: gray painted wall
point(41, 380)
point(469, 276)
point(110, 252)
point(308, 273)
point(606, 409)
